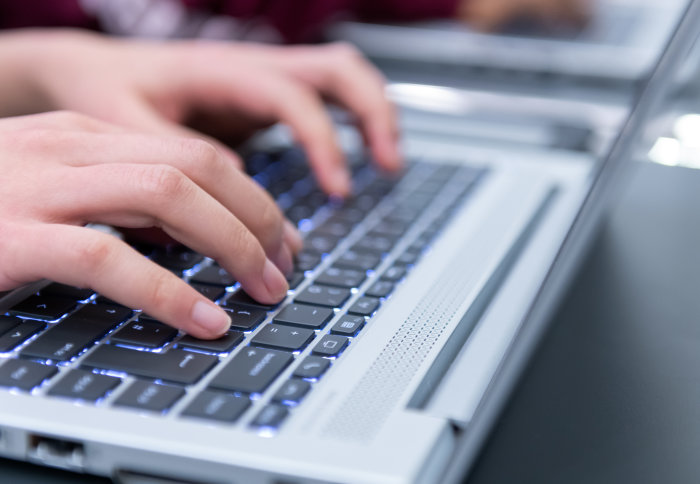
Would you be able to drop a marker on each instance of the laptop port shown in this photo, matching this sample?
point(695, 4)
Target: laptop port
point(55, 452)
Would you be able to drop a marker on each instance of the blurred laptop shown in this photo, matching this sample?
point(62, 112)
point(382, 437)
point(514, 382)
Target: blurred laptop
point(411, 313)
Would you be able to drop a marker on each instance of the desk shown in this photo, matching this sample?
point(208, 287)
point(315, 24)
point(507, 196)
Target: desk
point(613, 393)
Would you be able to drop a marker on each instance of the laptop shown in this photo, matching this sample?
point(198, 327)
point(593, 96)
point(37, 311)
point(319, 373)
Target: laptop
point(619, 44)
point(412, 311)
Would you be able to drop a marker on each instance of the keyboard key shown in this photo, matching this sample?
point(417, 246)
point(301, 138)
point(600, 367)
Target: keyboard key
point(102, 313)
point(364, 306)
point(220, 345)
point(66, 339)
point(252, 370)
point(295, 279)
point(217, 406)
point(359, 261)
point(305, 316)
point(144, 332)
point(64, 290)
point(7, 323)
point(292, 392)
point(43, 307)
point(348, 325)
point(175, 365)
point(321, 243)
point(210, 292)
point(380, 289)
point(241, 298)
point(177, 260)
point(337, 276)
point(245, 318)
point(331, 345)
point(335, 227)
point(408, 257)
point(394, 273)
point(214, 275)
point(283, 337)
point(306, 260)
point(24, 374)
point(154, 397)
point(312, 367)
point(323, 296)
point(271, 416)
point(392, 228)
point(84, 385)
point(19, 334)
point(378, 244)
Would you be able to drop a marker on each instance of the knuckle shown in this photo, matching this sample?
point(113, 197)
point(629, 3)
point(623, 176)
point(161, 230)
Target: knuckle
point(163, 183)
point(269, 224)
point(202, 156)
point(252, 256)
point(346, 50)
point(94, 252)
point(161, 292)
point(71, 118)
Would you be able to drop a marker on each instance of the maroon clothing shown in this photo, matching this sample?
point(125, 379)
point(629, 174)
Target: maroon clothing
point(294, 20)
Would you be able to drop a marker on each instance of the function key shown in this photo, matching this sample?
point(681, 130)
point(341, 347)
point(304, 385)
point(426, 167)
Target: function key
point(19, 334)
point(380, 289)
point(219, 406)
point(331, 345)
point(312, 367)
point(214, 275)
point(348, 325)
point(23, 374)
point(43, 307)
point(303, 315)
point(286, 338)
point(84, 385)
point(154, 397)
point(144, 332)
point(270, 417)
point(364, 306)
point(394, 273)
point(323, 296)
point(244, 318)
point(292, 392)
point(220, 345)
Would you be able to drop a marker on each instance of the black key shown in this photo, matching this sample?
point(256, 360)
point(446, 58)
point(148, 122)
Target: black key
point(312, 367)
point(105, 300)
point(214, 275)
point(19, 334)
point(220, 345)
point(283, 337)
point(295, 279)
point(394, 273)
point(84, 385)
point(297, 213)
point(24, 374)
point(321, 243)
point(241, 298)
point(68, 338)
point(335, 227)
point(43, 307)
point(177, 260)
point(7, 323)
point(331, 345)
point(292, 391)
point(64, 290)
point(144, 332)
point(210, 292)
point(252, 370)
point(323, 296)
point(174, 365)
point(348, 325)
point(218, 406)
point(307, 261)
point(271, 416)
point(380, 289)
point(102, 313)
point(360, 261)
point(337, 276)
point(245, 318)
point(364, 306)
point(379, 244)
point(305, 316)
point(408, 257)
point(392, 228)
point(145, 395)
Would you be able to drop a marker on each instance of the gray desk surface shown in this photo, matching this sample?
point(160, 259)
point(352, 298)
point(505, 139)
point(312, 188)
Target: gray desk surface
point(613, 393)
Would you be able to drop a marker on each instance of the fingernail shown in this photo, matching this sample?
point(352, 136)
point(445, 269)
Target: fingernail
point(292, 237)
point(210, 317)
point(274, 281)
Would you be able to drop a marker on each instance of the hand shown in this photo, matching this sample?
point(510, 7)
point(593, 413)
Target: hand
point(63, 170)
point(160, 87)
point(489, 15)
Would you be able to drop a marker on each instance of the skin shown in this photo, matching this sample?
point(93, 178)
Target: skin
point(133, 159)
point(490, 15)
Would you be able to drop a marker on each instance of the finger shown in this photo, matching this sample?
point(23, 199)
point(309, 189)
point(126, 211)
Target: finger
point(87, 258)
point(341, 73)
point(204, 165)
point(146, 195)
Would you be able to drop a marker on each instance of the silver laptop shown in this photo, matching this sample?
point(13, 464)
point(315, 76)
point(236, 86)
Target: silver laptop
point(620, 43)
point(412, 311)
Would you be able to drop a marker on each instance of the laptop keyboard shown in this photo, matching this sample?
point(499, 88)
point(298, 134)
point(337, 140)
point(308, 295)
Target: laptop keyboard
point(67, 342)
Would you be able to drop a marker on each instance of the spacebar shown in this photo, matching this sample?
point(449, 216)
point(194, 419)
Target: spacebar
point(175, 366)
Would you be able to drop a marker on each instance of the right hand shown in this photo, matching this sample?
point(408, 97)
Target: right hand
point(62, 170)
